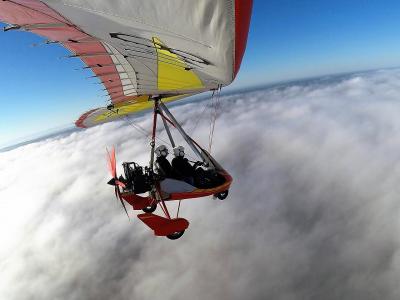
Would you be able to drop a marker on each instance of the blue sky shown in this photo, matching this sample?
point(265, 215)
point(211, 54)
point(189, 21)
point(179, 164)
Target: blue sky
point(288, 40)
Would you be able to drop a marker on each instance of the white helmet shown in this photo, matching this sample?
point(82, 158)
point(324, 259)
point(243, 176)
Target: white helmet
point(161, 150)
point(179, 151)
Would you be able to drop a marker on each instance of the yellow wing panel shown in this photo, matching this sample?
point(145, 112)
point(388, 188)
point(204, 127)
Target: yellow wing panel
point(173, 73)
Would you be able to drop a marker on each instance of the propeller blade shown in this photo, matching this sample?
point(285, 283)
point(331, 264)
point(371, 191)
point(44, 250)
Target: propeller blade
point(126, 211)
point(112, 166)
point(112, 162)
point(109, 162)
point(118, 195)
point(116, 191)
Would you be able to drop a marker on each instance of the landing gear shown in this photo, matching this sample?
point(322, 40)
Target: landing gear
point(222, 195)
point(150, 209)
point(176, 235)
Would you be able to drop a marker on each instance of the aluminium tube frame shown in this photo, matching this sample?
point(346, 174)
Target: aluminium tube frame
point(168, 132)
point(188, 140)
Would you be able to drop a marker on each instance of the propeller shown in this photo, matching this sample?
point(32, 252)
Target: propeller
point(112, 166)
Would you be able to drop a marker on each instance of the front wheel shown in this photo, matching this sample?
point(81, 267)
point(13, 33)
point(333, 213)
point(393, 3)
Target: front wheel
point(150, 209)
point(175, 235)
point(222, 195)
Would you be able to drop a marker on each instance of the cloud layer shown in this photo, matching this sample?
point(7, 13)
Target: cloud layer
point(313, 212)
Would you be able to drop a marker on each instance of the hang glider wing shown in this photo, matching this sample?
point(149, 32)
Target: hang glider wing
point(142, 48)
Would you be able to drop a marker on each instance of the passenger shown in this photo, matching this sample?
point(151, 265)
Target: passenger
point(181, 166)
point(162, 164)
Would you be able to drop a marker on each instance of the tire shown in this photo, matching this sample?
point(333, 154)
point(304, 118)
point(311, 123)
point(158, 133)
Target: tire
point(150, 209)
point(222, 195)
point(175, 235)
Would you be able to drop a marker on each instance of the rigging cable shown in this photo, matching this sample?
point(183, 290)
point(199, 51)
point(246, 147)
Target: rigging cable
point(205, 106)
point(214, 116)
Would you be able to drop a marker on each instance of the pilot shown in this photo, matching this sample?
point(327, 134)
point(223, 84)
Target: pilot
point(162, 164)
point(181, 166)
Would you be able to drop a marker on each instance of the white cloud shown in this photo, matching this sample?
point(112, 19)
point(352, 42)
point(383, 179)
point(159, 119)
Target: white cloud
point(312, 214)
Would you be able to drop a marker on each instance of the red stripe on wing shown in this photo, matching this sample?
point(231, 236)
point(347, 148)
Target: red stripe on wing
point(33, 12)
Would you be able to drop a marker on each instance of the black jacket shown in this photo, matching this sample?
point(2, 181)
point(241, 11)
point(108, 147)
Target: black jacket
point(164, 167)
point(182, 167)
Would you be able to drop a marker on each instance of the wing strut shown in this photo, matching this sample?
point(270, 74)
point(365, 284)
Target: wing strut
point(153, 135)
point(188, 140)
point(168, 132)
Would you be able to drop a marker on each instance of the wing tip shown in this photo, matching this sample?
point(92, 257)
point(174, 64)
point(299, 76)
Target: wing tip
point(80, 122)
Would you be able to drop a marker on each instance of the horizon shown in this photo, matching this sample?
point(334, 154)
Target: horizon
point(50, 132)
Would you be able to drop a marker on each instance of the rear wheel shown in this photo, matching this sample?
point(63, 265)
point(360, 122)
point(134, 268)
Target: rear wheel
point(222, 195)
point(175, 235)
point(150, 209)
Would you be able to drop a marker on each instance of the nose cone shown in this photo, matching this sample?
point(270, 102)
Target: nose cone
point(111, 182)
